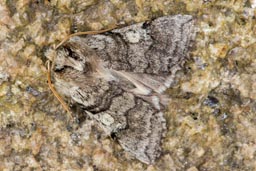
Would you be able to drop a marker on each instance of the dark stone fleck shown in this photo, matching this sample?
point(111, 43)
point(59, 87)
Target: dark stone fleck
point(211, 101)
point(32, 91)
point(194, 116)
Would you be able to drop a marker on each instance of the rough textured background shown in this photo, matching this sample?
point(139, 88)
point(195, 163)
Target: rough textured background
point(211, 116)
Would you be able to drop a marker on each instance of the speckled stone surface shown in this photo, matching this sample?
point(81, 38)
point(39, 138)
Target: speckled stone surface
point(211, 116)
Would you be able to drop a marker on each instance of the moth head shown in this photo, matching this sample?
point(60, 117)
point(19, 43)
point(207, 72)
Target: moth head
point(76, 55)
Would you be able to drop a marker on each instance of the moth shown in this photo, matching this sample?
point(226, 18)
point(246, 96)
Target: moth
point(119, 78)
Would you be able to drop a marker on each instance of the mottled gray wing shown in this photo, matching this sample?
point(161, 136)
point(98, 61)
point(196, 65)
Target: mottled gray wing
point(118, 78)
point(146, 126)
point(157, 49)
point(137, 123)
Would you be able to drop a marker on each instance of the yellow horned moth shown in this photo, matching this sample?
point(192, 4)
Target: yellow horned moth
point(118, 78)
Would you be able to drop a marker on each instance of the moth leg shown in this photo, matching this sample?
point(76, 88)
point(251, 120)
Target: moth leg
point(83, 33)
point(54, 91)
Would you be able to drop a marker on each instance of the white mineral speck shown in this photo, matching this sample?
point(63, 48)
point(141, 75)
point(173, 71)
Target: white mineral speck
point(253, 3)
point(3, 76)
point(192, 169)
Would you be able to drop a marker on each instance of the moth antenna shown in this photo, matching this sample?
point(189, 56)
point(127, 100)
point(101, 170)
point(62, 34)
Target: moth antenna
point(59, 98)
point(83, 33)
